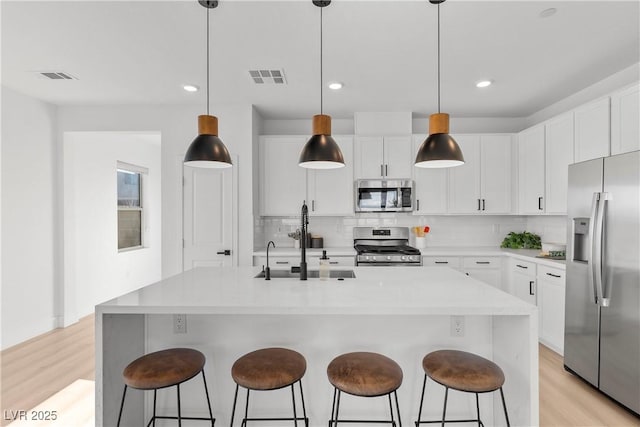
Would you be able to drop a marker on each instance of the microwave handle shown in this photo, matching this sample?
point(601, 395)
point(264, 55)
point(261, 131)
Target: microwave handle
point(417, 204)
point(386, 170)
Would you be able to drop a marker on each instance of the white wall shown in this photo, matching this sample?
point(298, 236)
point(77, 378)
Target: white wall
point(177, 126)
point(29, 202)
point(94, 270)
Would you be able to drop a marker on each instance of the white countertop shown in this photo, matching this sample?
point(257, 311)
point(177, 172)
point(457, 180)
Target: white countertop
point(379, 291)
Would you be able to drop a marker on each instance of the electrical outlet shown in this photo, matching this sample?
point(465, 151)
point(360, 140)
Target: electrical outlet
point(457, 326)
point(179, 323)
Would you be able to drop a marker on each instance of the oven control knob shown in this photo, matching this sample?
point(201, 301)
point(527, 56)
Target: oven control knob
point(403, 258)
point(389, 257)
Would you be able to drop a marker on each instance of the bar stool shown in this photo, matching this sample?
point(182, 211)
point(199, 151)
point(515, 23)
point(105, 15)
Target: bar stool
point(165, 368)
point(366, 375)
point(269, 369)
point(462, 371)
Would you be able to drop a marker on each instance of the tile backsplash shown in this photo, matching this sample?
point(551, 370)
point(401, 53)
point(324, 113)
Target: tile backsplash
point(445, 230)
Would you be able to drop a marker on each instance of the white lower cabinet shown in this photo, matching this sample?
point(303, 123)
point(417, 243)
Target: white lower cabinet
point(484, 268)
point(523, 280)
point(551, 300)
point(313, 261)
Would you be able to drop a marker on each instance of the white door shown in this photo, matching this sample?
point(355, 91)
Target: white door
point(283, 185)
point(368, 158)
point(398, 157)
point(495, 178)
point(558, 157)
point(592, 130)
point(331, 191)
point(531, 168)
point(464, 180)
point(208, 217)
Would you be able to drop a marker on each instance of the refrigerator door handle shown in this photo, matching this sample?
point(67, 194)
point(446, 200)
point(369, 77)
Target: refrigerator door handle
point(591, 251)
point(597, 248)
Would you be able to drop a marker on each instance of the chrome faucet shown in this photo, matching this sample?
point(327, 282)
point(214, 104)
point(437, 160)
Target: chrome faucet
point(303, 241)
point(267, 271)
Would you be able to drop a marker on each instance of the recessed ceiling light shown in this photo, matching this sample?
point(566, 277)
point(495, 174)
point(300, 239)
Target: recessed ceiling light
point(484, 83)
point(548, 12)
point(335, 85)
point(191, 88)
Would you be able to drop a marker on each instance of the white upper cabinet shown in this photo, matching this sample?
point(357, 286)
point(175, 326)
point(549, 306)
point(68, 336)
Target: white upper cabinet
point(625, 120)
point(430, 186)
point(284, 184)
point(558, 157)
point(592, 130)
point(378, 157)
point(331, 191)
point(531, 170)
point(483, 183)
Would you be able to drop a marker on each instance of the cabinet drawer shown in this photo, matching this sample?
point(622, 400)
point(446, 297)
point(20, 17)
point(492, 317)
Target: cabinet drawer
point(334, 261)
point(277, 262)
point(523, 267)
point(482, 262)
point(552, 275)
point(441, 261)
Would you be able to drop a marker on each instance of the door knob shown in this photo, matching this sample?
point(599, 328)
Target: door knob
point(226, 252)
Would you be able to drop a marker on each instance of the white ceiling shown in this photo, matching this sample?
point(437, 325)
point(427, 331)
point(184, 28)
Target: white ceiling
point(142, 52)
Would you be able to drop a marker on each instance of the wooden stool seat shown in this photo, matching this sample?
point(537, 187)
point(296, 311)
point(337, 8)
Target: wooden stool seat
point(163, 368)
point(269, 369)
point(364, 374)
point(463, 371)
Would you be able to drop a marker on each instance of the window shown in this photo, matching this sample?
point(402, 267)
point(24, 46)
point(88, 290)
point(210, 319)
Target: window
point(130, 206)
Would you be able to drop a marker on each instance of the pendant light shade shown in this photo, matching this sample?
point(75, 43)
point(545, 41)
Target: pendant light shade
point(207, 150)
point(439, 150)
point(321, 151)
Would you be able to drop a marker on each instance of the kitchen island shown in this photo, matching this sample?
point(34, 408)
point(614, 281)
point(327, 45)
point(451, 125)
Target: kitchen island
point(402, 312)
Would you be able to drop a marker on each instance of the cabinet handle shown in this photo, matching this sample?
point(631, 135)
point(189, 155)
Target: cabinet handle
point(540, 203)
point(333, 262)
point(466, 274)
point(482, 204)
point(418, 204)
point(442, 262)
point(522, 266)
point(483, 262)
point(531, 288)
point(478, 204)
point(554, 275)
point(386, 170)
point(282, 262)
point(313, 206)
point(381, 170)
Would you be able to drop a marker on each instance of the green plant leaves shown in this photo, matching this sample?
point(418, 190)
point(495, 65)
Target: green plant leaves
point(524, 240)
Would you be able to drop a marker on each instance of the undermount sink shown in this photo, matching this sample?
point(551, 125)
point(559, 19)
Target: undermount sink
point(287, 274)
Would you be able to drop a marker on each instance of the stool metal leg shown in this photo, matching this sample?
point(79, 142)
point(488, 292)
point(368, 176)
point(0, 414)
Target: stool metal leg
point(395, 393)
point(504, 405)
point(235, 400)
point(206, 391)
point(333, 407)
point(124, 393)
point(155, 393)
point(393, 422)
point(337, 408)
point(293, 400)
point(179, 413)
point(478, 409)
point(304, 410)
point(424, 385)
point(444, 410)
point(246, 410)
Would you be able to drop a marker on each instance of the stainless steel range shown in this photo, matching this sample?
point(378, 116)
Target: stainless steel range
point(384, 246)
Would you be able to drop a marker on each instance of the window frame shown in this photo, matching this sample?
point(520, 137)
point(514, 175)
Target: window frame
point(142, 178)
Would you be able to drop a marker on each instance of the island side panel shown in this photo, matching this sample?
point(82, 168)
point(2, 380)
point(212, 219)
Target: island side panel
point(405, 338)
point(120, 338)
point(515, 343)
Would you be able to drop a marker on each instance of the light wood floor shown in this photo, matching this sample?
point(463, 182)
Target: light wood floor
point(35, 370)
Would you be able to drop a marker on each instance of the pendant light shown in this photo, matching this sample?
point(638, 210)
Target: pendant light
point(207, 150)
point(439, 150)
point(321, 151)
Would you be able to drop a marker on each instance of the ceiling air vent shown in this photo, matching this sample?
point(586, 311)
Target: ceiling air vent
point(56, 75)
point(261, 77)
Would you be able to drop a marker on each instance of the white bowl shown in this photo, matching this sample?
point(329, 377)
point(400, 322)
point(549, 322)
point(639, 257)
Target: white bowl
point(547, 247)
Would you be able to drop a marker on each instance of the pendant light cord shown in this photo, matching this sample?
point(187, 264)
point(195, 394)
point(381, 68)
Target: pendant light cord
point(208, 61)
point(438, 57)
point(321, 65)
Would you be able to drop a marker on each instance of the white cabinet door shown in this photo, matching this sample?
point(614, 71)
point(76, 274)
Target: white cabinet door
point(495, 178)
point(330, 191)
point(524, 287)
point(398, 156)
point(489, 276)
point(558, 157)
point(369, 155)
point(552, 298)
point(464, 180)
point(592, 130)
point(430, 186)
point(625, 120)
point(284, 184)
point(531, 170)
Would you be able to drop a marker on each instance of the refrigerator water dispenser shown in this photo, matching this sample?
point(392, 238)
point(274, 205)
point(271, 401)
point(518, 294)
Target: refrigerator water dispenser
point(580, 239)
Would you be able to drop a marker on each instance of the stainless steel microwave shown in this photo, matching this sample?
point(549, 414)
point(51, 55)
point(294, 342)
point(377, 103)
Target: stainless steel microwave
point(384, 195)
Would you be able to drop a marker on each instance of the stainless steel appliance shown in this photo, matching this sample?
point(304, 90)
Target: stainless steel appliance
point(384, 246)
point(384, 195)
point(602, 318)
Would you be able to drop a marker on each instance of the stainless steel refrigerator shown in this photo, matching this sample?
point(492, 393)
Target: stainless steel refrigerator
point(602, 317)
